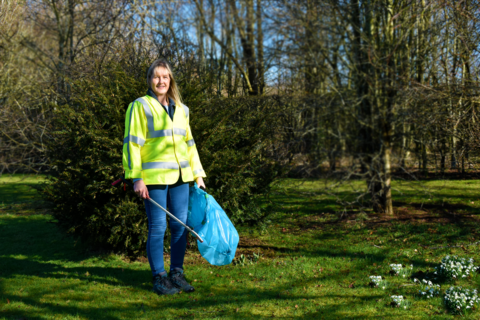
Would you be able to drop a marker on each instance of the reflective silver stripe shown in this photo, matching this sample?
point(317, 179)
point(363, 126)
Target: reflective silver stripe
point(179, 131)
point(128, 145)
point(190, 142)
point(159, 165)
point(187, 111)
point(148, 114)
point(135, 139)
point(164, 165)
point(197, 171)
point(159, 133)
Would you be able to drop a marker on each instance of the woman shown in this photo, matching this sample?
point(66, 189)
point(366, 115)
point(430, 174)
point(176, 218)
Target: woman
point(160, 155)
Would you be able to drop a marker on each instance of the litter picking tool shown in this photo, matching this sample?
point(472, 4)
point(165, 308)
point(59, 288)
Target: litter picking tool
point(122, 179)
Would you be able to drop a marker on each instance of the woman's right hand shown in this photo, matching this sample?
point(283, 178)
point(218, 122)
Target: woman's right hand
point(141, 189)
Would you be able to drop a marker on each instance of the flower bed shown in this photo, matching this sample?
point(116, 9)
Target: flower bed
point(428, 289)
point(378, 281)
point(402, 271)
point(400, 302)
point(460, 300)
point(454, 267)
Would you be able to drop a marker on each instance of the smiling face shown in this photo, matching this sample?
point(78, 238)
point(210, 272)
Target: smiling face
point(160, 83)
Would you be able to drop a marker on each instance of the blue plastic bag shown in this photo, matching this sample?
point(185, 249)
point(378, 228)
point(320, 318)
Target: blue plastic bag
point(207, 218)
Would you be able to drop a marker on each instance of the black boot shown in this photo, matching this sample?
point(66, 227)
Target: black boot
point(162, 284)
point(178, 280)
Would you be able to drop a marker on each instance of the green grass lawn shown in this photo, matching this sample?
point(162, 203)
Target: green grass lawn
point(315, 261)
point(18, 188)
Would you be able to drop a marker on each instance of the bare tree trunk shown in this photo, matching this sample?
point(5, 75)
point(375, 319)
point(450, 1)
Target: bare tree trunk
point(387, 179)
point(261, 62)
point(200, 37)
point(248, 44)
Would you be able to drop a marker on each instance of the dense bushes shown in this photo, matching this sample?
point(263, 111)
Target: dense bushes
point(86, 146)
point(86, 151)
point(233, 136)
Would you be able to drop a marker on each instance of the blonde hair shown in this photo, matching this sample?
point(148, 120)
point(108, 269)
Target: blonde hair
point(173, 91)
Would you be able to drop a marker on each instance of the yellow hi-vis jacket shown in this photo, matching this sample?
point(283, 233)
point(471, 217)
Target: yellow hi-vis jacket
point(155, 147)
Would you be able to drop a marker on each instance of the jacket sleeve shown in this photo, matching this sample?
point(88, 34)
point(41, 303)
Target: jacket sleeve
point(134, 139)
point(193, 156)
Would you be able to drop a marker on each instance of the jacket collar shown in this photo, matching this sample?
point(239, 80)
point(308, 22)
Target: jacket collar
point(152, 94)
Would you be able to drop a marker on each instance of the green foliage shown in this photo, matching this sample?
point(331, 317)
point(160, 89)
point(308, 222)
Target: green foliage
point(86, 151)
point(234, 136)
point(246, 260)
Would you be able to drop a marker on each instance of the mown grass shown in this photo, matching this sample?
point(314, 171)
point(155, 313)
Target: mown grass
point(18, 188)
point(313, 264)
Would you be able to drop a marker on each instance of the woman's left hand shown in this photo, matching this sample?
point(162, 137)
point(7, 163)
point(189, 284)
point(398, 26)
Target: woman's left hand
point(200, 183)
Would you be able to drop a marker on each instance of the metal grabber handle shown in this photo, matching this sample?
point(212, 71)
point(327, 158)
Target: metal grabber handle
point(159, 206)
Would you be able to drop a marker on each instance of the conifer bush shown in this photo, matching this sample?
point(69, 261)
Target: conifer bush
point(233, 136)
point(86, 153)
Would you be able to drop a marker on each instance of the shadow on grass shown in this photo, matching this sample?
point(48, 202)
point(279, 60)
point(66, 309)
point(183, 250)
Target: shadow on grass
point(31, 247)
point(17, 192)
point(221, 303)
point(224, 301)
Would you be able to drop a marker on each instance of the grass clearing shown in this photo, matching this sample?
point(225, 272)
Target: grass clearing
point(18, 188)
point(312, 264)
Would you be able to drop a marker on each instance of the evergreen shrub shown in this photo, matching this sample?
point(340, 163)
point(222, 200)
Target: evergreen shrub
point(86, 153)
point(234, 136)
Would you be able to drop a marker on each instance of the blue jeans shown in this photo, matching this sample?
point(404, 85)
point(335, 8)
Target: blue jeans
point(174, 198)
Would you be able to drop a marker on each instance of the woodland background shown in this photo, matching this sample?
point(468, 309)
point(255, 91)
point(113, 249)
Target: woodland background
point(346, 90)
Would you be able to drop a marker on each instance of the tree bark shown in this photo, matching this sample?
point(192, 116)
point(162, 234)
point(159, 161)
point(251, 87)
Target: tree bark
point(261, 62)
